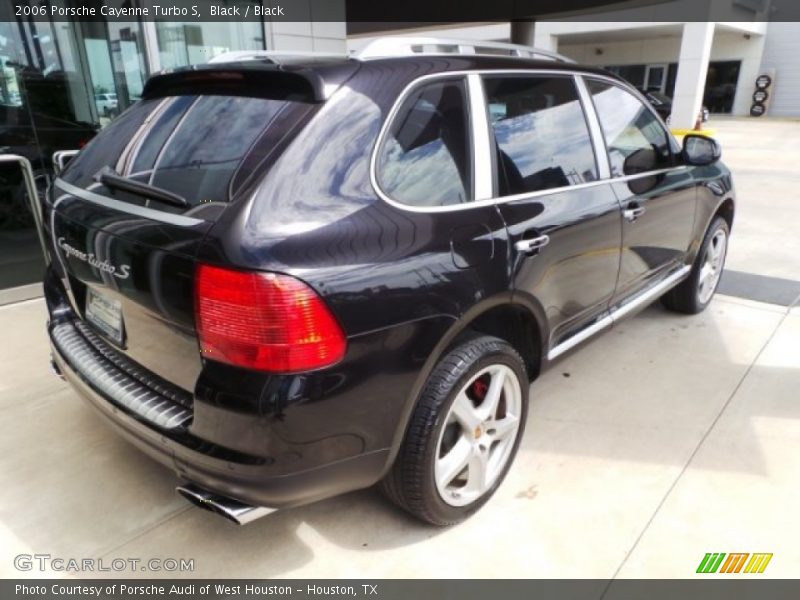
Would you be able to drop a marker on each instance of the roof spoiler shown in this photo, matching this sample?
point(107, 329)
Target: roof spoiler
point(251, 78)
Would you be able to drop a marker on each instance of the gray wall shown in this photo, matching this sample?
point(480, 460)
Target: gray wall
point(781, 53)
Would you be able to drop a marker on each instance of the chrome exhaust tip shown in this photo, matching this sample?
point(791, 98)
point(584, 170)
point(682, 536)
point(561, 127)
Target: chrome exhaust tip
point(55, 370)
point(233, 510)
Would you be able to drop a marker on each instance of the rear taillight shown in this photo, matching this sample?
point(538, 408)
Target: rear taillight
point(264, 321)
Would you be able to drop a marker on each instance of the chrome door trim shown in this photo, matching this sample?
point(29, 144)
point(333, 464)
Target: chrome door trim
point(644, 298)
point(481, 139)
point(131, 209)
point(478, 203)
point(595, 130)
point(384, 132)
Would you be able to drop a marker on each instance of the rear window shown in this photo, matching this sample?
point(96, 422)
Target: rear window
point(188, 145)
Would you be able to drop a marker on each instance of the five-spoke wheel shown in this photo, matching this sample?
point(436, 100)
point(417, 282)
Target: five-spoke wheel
point(479, 433)
point(711, 270)
point(464, 432)
point(696, 291)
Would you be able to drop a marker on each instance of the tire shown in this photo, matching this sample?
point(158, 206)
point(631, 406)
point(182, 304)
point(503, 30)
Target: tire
point(696, 291)
point(443, 434)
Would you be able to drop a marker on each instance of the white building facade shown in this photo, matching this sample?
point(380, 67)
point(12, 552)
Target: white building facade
point(699, 63)
point(696, 63)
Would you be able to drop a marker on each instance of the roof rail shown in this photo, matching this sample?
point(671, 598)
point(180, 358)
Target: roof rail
point(273, 56)
point(390, 46)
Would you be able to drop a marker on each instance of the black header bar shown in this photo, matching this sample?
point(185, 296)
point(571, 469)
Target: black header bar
point(364, 15)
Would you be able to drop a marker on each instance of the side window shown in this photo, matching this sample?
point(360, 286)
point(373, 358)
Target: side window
point(426, 158)
point(636, 140)
point(542, 137)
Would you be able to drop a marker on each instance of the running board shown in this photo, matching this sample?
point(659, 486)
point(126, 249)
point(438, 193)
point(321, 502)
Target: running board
point(643, 299)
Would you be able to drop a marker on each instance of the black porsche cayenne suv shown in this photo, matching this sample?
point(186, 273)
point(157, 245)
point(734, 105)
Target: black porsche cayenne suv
point(288, 279)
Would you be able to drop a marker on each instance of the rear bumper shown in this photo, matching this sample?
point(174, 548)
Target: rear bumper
point(251, 483)
point(265, 440)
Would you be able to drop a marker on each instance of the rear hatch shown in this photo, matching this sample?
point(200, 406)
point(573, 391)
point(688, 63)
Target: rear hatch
point(128, 214)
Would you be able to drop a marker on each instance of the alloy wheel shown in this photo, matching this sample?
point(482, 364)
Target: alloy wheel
point(479, 434)
point(711, 270)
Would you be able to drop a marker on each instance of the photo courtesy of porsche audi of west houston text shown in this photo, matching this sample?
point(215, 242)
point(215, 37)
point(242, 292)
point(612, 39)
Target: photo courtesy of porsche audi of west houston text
point(153, 590)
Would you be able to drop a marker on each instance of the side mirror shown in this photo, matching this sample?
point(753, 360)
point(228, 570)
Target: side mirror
point(699, 150)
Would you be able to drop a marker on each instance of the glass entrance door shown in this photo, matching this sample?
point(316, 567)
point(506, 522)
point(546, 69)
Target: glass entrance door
point(44, 107)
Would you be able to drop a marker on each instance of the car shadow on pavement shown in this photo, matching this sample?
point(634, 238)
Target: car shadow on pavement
point(279, 543)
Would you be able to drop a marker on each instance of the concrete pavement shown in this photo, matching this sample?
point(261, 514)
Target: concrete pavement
point(763, 155)
point(663, 439)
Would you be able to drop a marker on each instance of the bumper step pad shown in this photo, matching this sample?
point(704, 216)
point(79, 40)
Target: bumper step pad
point(123, 384)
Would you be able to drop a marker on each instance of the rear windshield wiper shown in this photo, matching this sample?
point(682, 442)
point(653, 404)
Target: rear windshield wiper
point(108, 177)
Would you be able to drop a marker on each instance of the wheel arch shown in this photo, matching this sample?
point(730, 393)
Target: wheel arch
point(500, 316)
point(726, 210)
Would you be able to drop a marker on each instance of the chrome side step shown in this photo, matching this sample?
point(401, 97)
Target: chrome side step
point(580, 337)
point(650, 294)
point(233, 510)
point(643, 299)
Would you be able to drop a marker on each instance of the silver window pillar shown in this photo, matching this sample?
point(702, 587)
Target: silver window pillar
point(481, 138)
point(595, 128)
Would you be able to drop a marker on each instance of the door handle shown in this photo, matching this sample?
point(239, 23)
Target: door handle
point(634, 213)
point(532, 245)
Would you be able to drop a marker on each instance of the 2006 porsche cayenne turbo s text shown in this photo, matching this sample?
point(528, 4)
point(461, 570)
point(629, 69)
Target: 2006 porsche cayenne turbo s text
point(291, 277)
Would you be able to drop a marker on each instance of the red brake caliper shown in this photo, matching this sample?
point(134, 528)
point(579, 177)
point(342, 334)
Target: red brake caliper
point(479, 389)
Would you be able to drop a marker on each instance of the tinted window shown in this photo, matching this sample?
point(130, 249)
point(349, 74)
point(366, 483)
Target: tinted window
point(168, 115)
point(200, 157)
point(189, 145)
point(636, 140)
point(425, 160)
point(107, 147)
point(542, 137)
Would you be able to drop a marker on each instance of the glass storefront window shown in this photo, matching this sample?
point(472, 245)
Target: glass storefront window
point(59, 83)
point(62, 81)
point(43, 107)
point(116, 61)
point(190, 43)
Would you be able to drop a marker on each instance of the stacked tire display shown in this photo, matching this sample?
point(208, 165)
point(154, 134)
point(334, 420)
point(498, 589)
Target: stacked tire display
point(760, 96)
